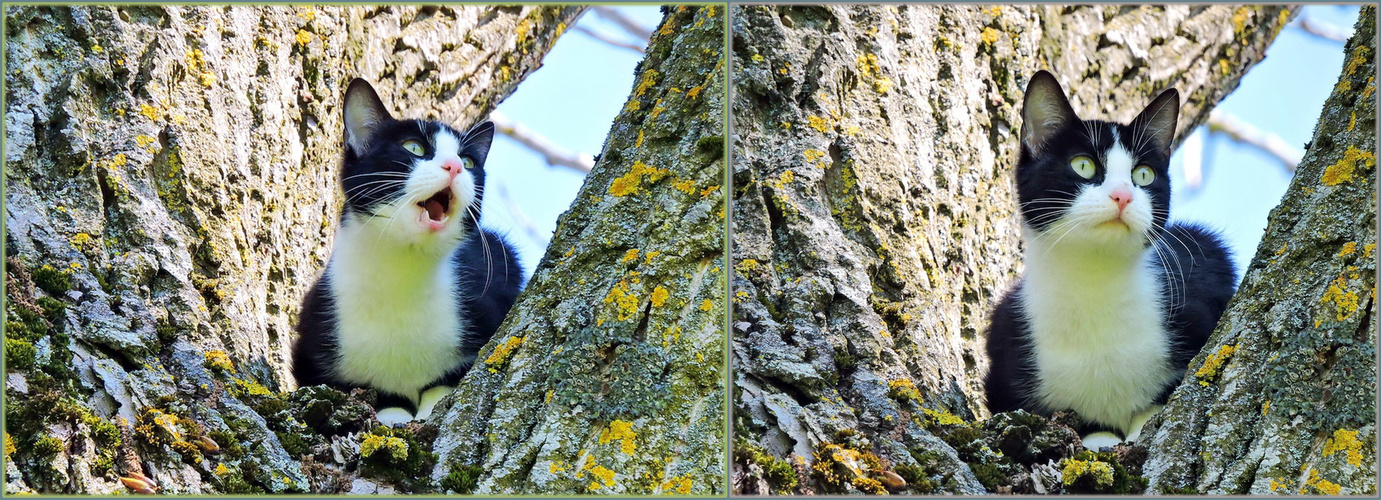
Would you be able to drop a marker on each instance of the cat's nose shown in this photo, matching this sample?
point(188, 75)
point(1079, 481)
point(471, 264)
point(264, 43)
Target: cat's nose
point(1121, 196)
point(453, 166)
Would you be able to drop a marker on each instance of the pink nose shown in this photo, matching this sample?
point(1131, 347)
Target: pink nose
point(1121, 196)
point(454, 166)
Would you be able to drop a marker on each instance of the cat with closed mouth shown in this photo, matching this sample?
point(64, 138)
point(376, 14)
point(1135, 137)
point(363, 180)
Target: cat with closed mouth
point(1115, 299)
point(414, 287)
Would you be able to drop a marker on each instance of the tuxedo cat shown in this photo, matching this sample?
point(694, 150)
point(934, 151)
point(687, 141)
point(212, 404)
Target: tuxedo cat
point(1115, 300)
point(414, 287)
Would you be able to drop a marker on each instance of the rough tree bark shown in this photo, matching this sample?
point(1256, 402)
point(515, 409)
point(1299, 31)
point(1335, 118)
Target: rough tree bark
point(170, 195)
point(609, 375)
point(874, 221)
point(1283, 398)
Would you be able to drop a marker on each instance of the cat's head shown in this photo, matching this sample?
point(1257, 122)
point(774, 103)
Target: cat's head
point(418, 182)
point(1093, 183)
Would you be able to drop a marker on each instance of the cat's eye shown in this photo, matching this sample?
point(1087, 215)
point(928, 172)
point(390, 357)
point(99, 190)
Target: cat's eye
point(415, 148)
point(1083, 166)
point(1143, 175)
point(468, 163)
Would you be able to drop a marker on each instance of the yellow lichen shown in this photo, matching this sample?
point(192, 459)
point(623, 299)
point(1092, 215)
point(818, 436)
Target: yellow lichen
point(605, 476)
point(1349, 248)
point(630, 182)
point(1320, 484)
point(1101, 472)
point(882, 85)
point(1344, 441)
point(221, 470)
point(306, 13)
point(503, 352)
point(684, 186)
point(694, 92)
point(630, 256)
point(944, 417)
point(868, 65)
point(812, 155)
point(303, 38)
point(207, 79)
point(195, 59)
point(9, 446)
point(1344, 301)
point(218, 360)
point(149, 112)
point(624, 300)
point(1342, 171)
point(818, 123)
point(678, 485)
point(659, 296)
point(1214, 364)
point(706, 305)
point(80, 240)
point(709, 190)
point(621, 431)
point(648, 81)
point(396, 447)
point(990, 36)
point(143, 140)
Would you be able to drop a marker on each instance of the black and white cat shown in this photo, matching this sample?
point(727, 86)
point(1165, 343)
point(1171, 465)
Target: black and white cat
point(1115, 301)
point(414, 287)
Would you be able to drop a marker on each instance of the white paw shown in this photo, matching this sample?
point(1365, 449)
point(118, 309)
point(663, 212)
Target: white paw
point(1134, 433)
point(429, 400)
point(393, 417)
point(1100, 440)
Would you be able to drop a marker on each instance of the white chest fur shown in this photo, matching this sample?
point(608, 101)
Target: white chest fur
point(398, 326)
point(1097, 331)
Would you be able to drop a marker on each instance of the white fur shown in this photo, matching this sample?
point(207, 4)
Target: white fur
point(394, 285)
point(429, 400)
point(1093, 300)
point(1100, 440)
point(393, 417)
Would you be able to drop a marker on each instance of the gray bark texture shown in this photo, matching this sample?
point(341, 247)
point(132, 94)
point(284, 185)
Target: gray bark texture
point(171, 191)
point(875, 225)
point(608, 377)
point(1282, 400)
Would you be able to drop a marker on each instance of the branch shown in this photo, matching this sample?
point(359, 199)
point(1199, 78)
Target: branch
point(1321, 29)
point(553, 154)
point(607, 39)
point(625, 22)
point(1246, 133)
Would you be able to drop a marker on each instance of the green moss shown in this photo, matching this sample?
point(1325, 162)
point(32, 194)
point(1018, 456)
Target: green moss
point(52, 280)
point(397, 457)
point(462, 480)
point(992, 476)
point(47, 446)
point(779, 474)
point(19, 354)
point(294, 443)
point(1099, 472)
point(917, 479)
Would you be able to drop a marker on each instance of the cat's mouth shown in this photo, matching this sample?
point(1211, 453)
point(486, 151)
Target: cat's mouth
point(436, 210)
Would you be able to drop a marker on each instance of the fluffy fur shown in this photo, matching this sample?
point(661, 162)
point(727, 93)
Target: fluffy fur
point(1115, 300)
point(414, 287)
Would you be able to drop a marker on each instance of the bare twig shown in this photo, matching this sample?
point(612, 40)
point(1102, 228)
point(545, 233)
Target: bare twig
point(553, 154)
point(625, 22)
point(521, 219)
point(1238, 130)
point(1192, 150)
point(1321, 29)
point(609, 40)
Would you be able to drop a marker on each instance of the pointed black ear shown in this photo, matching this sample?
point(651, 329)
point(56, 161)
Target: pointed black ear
point(477, 142)
point(1157, 122)
point(364, 111)
point(1044, 110)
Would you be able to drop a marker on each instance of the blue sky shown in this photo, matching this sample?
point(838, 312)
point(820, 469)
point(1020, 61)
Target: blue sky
point(572, 100)
point(1284, 95)
point(583, 83)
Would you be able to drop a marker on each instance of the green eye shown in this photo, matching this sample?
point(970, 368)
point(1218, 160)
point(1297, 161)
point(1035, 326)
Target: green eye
point(1143, 175)
point(415, 148)
point(1083, 166)
point(468, 163)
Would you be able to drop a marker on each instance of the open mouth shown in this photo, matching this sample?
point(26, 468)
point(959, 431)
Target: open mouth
point(436, 210)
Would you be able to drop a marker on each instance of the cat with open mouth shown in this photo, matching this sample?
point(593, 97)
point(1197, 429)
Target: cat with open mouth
point(415, 287)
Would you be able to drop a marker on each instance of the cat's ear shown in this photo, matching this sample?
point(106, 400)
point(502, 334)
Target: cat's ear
point(1044, 110)
point(1157, 122)
point(364, 111)
point(477, 142)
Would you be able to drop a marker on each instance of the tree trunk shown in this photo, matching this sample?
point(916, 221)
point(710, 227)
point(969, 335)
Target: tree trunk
point(171, 193)
point(874, 212)
point(608, 376)
point(1283, 398)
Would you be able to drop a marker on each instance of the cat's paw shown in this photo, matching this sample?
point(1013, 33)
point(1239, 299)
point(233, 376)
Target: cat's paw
point(429, 400)
point(393, 417)
point(1140, 421)
point(1099, 440)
